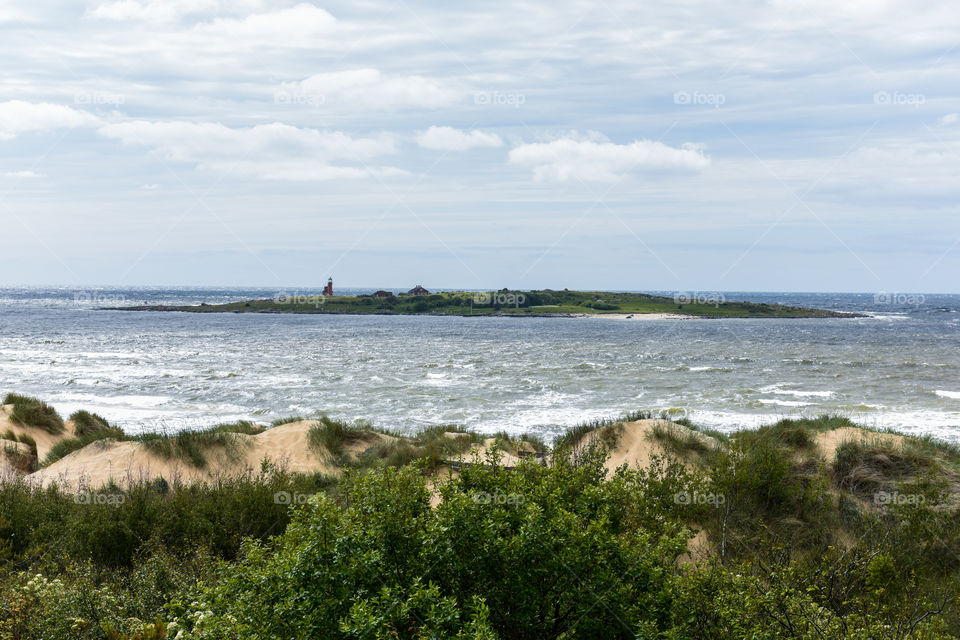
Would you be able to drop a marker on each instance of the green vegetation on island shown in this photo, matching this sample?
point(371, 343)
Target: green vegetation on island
point(508, 303)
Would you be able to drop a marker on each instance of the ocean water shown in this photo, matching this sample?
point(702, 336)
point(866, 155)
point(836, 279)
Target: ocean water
point(898, 368)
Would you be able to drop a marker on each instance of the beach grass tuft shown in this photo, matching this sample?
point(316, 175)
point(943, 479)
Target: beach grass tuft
point(89, 424)
point(680, 439)
point(330, 435)
point(31, 412)
point(864, 467)
point(23, 462)
point(193, 446)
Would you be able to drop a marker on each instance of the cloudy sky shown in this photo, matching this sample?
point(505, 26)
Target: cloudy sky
point(804, 145)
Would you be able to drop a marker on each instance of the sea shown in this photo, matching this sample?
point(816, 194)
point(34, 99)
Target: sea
point(898, 368)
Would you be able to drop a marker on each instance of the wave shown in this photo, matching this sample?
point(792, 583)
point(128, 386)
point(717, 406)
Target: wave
point(784, 403)
point(797, 394)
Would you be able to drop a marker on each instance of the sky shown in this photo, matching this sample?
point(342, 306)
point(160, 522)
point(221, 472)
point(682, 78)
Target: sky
point(785, 145)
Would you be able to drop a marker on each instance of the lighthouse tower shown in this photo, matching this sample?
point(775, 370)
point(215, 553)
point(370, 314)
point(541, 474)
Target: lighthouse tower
point(328, 290)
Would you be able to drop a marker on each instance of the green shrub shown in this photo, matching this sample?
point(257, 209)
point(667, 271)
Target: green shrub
point(110, 525)
point(385, 562)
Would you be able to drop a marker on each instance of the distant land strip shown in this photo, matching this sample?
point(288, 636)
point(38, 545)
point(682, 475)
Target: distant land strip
point(539, 303)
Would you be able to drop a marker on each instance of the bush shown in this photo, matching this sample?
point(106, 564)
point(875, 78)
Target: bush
point(537, 561)
point(110, 525)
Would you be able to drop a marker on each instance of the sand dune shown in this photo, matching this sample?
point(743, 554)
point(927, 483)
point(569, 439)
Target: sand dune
point(124, 462)
point(636, 445)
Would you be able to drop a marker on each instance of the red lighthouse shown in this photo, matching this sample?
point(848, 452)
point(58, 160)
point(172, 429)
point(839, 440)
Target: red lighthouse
point(328, 290)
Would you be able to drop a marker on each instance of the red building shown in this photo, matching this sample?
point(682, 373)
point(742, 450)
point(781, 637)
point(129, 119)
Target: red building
point(418, 291)
point(328, 290)
point(382, 294)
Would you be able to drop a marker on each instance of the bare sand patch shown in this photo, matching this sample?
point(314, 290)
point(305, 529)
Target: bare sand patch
point(829, 441)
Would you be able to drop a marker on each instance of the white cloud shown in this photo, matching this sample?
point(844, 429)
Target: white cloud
point(150, 11)
point(24, 174)
point(599, 160)
point(17, 116)
point(949, 119)
point(293, 26)
point(450, 139)
point(271, 151)
point(304, 170)
point(371, 89)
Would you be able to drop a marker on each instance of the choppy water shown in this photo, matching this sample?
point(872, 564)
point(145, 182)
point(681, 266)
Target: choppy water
point(898, 368)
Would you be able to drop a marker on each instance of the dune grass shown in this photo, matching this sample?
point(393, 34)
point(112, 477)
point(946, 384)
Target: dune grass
point(88, 424)
point(24, 462)
point(193, 446)
point(31, 412)
point(432, 446)
point(329, 435)
point(88, 427)
point(65, 447)
point(864, 467)
point(681, 440)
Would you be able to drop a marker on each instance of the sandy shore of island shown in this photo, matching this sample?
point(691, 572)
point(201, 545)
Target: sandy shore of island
point(635, 316)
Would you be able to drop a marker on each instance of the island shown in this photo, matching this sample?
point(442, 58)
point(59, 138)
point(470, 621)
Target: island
point(507, 302)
